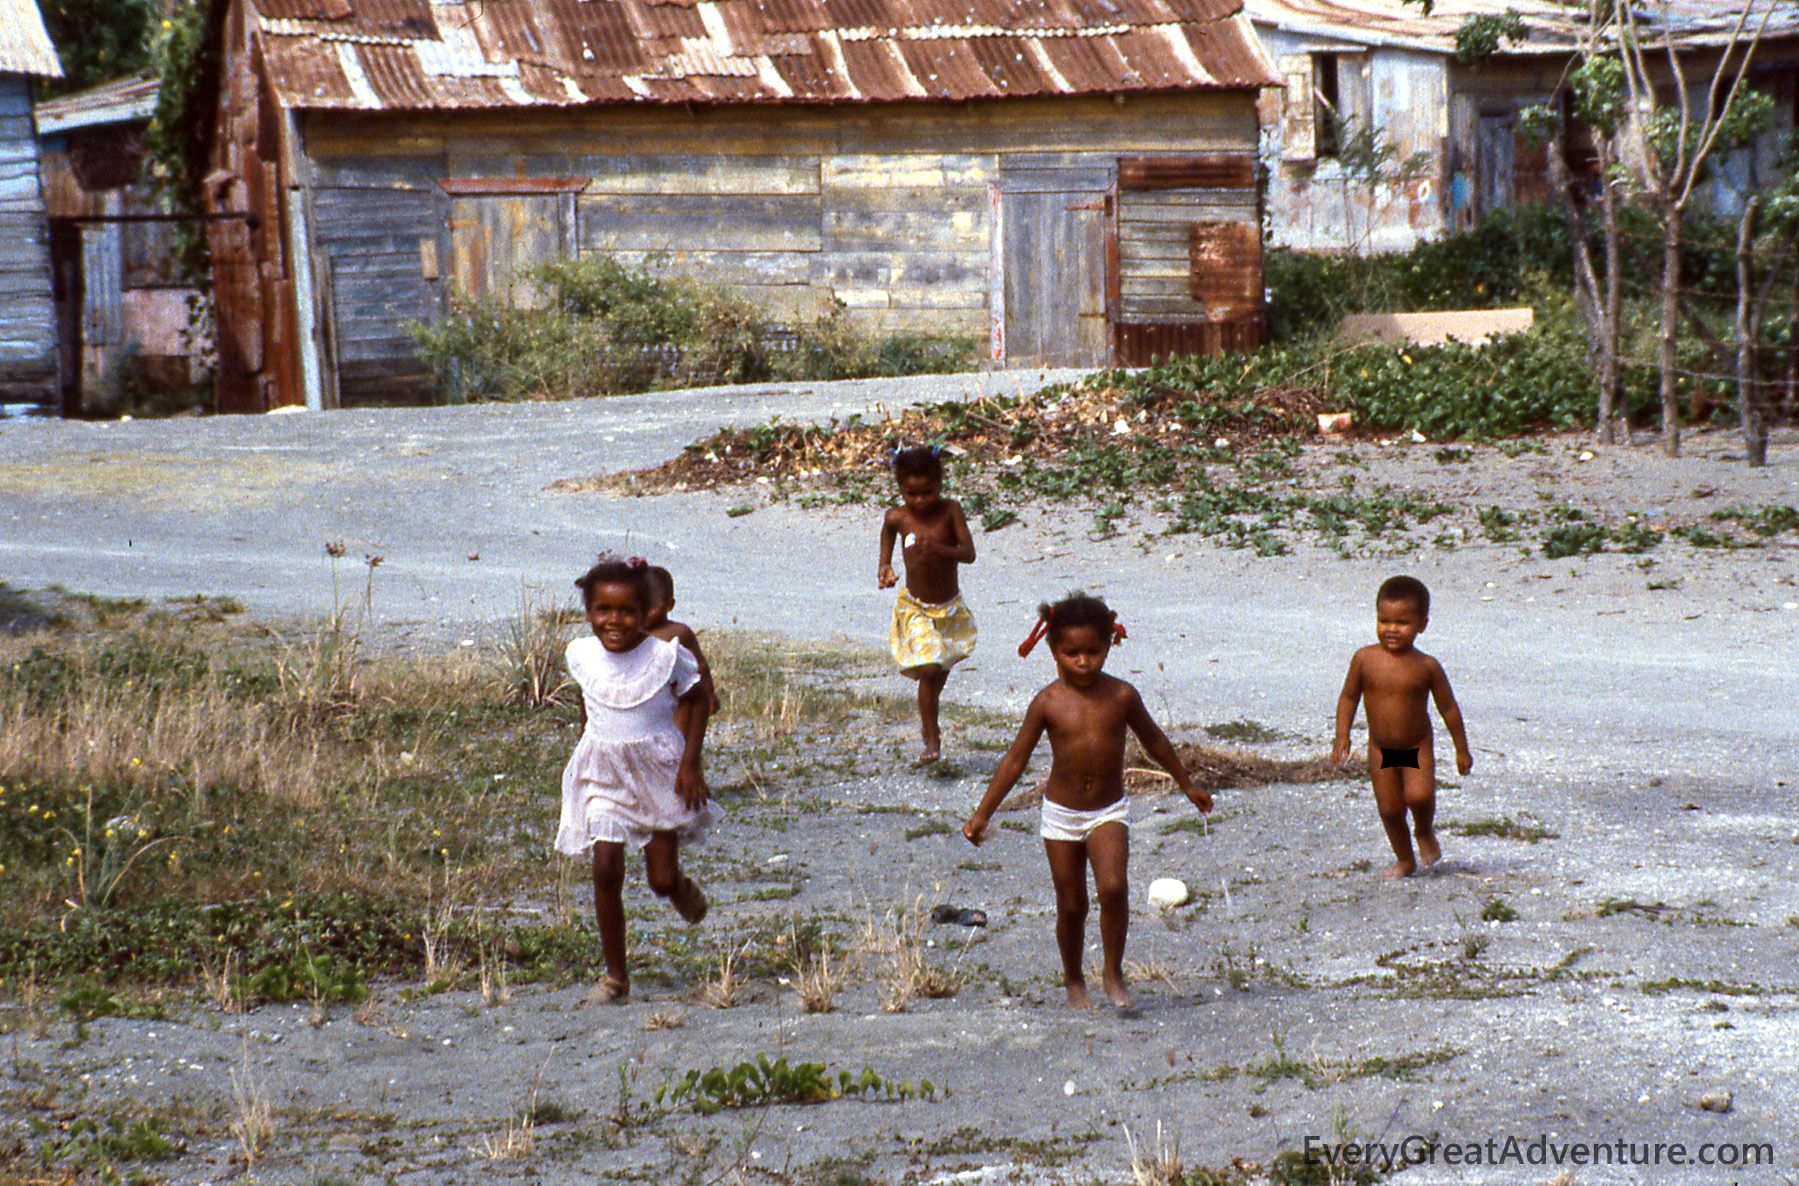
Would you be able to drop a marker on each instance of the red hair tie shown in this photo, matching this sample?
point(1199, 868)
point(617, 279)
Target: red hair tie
point(1035, 636)
point(1118, 633)
point(635, 562)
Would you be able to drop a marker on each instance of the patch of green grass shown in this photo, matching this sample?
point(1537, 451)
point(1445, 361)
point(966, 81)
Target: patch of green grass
point(1243, 731)
point(930, 827)
point(1496, 910)
point(1716, 987)
point(762, 1082)
point(1504, 827)
point(1204, 825)
point(1612, 906)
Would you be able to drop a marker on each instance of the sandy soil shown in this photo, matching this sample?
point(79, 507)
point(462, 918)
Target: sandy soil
point(1650, 729)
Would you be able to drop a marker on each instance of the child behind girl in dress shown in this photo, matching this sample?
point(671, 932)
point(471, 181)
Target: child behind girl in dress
point(1086, 815)
point(635, 775)
point(932, 630)
point(658, 623)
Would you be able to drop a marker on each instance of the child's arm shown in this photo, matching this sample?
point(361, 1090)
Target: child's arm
point(885, 577)
point(962, 552)
point(1347, 701)
point(1451, 713)
point(1010, 767)
point(1157, 746)
point(692, 712)
point(691, 641)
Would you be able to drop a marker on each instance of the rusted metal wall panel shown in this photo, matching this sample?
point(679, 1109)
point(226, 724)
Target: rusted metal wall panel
point(28, 355)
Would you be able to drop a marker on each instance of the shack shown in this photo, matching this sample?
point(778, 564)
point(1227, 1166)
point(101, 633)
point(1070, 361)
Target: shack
point(1073, 183)
point(27, 319)
point(1449, 127)
point(124, 311)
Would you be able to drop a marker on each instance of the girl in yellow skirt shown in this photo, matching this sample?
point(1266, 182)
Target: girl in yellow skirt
point(932, 630)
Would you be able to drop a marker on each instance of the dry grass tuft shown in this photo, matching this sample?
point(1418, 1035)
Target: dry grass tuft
point(1156, 1165)
point(725, 989)
point(529, 655)
point(816, 981)
point(252, 1119)
point(896, 939)
point(517, 1140)
point(665, 1019)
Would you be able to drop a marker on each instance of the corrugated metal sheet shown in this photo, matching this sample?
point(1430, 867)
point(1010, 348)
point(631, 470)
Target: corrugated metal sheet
point(113, 103)
point(1550, 25)
point(411, 55)
point(24, 44)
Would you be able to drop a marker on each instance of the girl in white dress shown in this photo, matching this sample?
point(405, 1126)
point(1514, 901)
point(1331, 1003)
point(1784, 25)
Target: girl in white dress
point(635, 775)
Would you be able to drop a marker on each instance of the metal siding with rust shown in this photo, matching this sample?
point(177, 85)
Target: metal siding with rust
point(28, 355)
point(881, 207)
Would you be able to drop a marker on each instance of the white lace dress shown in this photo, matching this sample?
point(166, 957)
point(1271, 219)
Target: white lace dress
point(619, 784)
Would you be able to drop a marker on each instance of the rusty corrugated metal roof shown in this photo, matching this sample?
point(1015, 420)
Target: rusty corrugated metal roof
point(120, 102)
point(435, 54)
point(24, 43)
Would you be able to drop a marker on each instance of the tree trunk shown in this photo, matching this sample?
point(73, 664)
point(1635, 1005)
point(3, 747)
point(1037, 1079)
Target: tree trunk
point(1749, 400)
point(1611, 410)
point(1670, 328)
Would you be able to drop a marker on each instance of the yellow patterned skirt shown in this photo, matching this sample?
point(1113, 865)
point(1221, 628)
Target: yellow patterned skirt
point(925, 635)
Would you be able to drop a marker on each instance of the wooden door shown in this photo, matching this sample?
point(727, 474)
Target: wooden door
point(495, 239)
point(1053, 278)
point(1493, 163)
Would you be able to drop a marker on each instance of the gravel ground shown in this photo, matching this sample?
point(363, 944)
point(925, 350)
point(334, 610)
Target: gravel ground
point(1652, 730)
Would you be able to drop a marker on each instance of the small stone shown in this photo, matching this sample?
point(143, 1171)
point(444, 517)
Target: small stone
point(1068, 1087)
point(1718, 1100)
point(474, 555)
point(1586, 455)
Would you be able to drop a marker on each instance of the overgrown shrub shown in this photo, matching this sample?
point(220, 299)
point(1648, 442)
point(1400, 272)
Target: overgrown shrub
point(605, 327)
point(1492, 265)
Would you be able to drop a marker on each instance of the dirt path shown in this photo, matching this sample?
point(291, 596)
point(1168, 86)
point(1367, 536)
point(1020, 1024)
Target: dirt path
point(1652, 730)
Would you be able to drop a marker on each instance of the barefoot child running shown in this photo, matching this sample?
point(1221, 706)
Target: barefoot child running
point(660, 625)
point(1086, 816)
point(932, 630)
point(635, 776)
point(1396, 681)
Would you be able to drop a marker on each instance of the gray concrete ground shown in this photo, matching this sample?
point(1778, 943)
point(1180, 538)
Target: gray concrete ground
point(1652, 730)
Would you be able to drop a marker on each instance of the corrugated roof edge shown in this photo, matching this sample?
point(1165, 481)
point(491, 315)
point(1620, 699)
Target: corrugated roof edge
point(25, 46)
point(124, 101)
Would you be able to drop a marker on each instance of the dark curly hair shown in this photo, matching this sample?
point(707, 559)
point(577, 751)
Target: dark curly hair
point(662, 585)
point(1405, 589)
point(607, 571)
point(1077, 609)
point(920, 461)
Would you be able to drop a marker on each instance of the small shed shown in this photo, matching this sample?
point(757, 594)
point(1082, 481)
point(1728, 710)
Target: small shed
point(27, 319)
point(123, 311)
point(1072, 182)
point(1351, 66)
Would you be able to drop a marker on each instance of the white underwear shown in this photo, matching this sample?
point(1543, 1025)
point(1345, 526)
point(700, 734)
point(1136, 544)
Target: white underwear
point(1064, 823)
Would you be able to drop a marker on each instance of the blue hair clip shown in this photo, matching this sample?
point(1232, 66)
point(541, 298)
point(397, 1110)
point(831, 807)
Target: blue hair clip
point(936, 450)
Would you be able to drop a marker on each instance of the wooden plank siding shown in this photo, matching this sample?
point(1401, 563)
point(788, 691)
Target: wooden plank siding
point(28, 353)
point(883, 207)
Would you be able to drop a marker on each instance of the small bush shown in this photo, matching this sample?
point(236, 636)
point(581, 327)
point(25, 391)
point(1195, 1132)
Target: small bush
point(605, 327)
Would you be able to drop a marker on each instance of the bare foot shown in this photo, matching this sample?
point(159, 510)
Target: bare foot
point(929, 756)
point(1119, 991)
point(609, 991)
point(1077, 995)
point(690, 901)
point(1429, 851)
point(1399, 869)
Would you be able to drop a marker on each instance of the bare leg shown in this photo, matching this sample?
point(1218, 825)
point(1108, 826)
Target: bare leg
point(930, 695)
point(1068, 870)
point(1389, 797)
point(609, 912)
point(1109, 850)
point(1421, 800)
point(662, 867)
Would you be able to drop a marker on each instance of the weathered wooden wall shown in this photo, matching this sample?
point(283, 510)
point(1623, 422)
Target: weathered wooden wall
point(28, 364)
point(1313, 205)
point(888, 208)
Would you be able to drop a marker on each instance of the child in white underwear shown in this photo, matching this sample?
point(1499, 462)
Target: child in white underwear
point(1086, 816)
